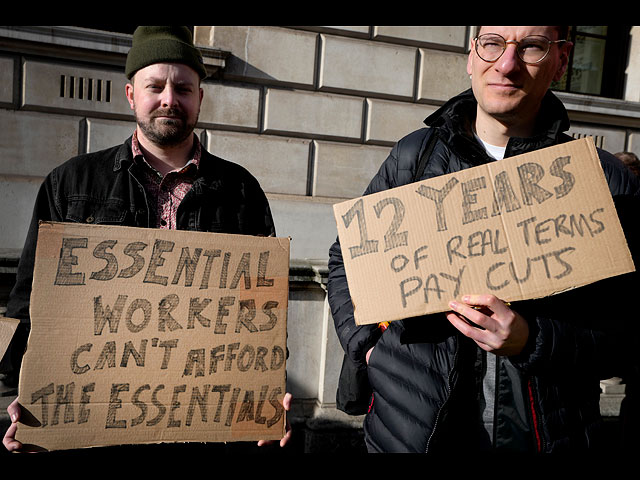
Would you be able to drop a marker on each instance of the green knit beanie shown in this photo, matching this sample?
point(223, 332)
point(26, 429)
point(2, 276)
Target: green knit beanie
point(170, 44)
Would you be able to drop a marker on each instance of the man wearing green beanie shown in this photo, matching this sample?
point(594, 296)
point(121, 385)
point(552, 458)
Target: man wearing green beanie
point(183, 186)
point(163, 45)
point(165, 70)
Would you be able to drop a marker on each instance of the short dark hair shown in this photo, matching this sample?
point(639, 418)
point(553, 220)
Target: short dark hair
point(630, 159)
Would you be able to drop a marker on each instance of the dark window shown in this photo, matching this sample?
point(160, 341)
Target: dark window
point(598, 61)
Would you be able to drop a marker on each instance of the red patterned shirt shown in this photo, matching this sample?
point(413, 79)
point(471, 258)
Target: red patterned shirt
point(165, 193)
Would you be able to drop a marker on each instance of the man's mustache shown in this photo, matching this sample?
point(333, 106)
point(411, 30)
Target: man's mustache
point(168, 112)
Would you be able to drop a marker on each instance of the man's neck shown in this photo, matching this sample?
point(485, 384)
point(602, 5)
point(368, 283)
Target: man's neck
point(165, 159)
point(496, 131)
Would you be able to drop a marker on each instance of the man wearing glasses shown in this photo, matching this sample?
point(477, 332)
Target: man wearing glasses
point(528, 378)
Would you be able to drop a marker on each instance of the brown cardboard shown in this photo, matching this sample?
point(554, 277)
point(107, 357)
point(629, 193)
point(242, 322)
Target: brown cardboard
point(8, 327)
point(521, 228)
point(148, 336)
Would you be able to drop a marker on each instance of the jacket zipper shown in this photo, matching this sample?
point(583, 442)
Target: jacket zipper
point(534, 417)
point(435, 424)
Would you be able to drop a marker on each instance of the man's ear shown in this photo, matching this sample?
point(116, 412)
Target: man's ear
point(128, 91)
point(471, 51)
point(565, 51)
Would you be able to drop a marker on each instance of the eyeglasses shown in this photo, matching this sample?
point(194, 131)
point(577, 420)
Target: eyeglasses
point(531, 50)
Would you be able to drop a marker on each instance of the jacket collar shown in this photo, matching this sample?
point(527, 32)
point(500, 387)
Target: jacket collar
point(207, 180)
point(123, 155)
point(457, 114)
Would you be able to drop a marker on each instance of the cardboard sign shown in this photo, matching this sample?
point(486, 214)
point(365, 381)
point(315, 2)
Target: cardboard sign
point(148, 336)
point(519, 228)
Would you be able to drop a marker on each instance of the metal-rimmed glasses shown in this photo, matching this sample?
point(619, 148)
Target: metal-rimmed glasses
point(531, 49)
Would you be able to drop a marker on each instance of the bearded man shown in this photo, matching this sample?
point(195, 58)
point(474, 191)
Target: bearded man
point(161, 177)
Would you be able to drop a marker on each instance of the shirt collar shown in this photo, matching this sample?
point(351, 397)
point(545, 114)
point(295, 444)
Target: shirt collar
point(138, 156)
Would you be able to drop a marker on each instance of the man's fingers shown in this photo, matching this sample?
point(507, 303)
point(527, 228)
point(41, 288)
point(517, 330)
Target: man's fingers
point(9, 441)
point(501, 330)
point(491, 302)
point(286, 438)
point(476, 316)
point(286, 401)
point(478, 335)
point(14, 410)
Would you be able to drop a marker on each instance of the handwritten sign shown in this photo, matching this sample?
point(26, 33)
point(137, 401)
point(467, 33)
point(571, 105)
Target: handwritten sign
point(520, 228)
point(147, 336)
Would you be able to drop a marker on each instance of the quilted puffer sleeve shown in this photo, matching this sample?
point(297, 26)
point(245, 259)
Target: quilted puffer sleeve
point(396, 170)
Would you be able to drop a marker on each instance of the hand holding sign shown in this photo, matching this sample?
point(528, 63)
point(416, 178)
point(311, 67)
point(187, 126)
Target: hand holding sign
point(9, 440)
point(286, 403)
point(498, 329)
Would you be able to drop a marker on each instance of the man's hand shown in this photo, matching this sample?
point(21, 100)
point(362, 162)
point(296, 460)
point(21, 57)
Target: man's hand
point(368, 355)
point(9, 440)
point(501, 330)
point(286, 403)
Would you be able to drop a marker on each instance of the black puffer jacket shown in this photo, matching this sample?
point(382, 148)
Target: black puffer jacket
point(426, 376)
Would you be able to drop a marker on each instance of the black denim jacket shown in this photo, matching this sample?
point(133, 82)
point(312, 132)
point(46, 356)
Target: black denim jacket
point(103, 188)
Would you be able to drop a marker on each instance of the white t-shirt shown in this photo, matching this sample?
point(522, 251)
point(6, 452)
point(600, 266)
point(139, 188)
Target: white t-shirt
point(492, 150)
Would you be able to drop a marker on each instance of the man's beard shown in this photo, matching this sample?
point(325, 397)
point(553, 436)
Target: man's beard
point(166, 132)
